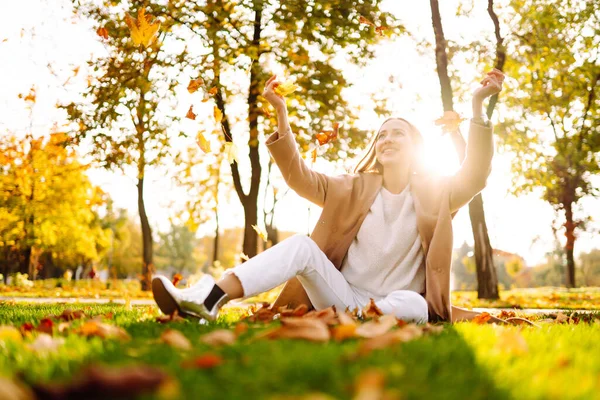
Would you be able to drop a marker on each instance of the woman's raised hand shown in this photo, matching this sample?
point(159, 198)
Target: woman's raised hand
point(490, 85)
point(277, 101)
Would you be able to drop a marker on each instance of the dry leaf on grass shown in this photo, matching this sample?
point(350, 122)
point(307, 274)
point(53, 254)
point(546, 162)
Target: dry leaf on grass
point(482, 318)
point(46, 343)
point(296, 312)
point(11, 389)
point(204, 361)
point(103, 330)
point(371, 310)
point(376, 328)
point(175, 339)
point(46, 325)
point(219, 337)
point(105, 382)
point(405, 334)
point(10, 334)
point(173, 317)
point(327, 315)
point(240, 329)
point(312, 329)
point(560, 317)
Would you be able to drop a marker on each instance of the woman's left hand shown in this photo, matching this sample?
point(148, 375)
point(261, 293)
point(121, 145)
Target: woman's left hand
point(490, 85)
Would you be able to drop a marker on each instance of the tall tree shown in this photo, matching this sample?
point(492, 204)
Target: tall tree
point(555, 132)
point(309, 40)
point(487, 280)
point(125, 114)
point(47, 205)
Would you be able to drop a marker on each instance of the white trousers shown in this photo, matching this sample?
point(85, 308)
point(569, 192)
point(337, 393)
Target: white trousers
point(299, 256)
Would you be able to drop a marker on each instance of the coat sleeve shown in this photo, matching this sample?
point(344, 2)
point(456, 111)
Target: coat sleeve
point(307, 183)
point(476, 167)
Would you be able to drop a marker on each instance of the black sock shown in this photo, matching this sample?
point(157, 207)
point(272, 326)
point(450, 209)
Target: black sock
point(214, 296)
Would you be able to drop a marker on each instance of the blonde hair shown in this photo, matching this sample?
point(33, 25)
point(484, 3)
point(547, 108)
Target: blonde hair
point(369, 164)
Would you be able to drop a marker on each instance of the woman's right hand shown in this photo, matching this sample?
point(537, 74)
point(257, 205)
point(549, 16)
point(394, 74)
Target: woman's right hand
point(276, 100)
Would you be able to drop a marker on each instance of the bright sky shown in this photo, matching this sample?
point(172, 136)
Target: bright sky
point(516, 225)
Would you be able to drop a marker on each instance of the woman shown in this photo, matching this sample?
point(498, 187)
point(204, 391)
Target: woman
point(385, 231)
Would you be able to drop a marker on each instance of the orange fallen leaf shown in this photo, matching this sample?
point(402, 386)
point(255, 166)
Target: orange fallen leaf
point(103, 330)
point(482, 318)
point(327, 315)
point(205, 361)
point(175, 339)
point(173, 317)
point(102, 32)
point(46, 325)
point(561, 317)
point(219, 337)
point(194, 85)
point(240, 329)
point(176, 279)
point(190, 114)
point(143, 29)
point(370, 385)
point(343, 332)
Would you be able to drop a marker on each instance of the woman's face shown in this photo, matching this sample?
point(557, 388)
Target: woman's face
point(394, 143)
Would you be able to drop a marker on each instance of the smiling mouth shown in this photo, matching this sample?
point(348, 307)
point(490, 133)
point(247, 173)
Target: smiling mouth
point(388, 150)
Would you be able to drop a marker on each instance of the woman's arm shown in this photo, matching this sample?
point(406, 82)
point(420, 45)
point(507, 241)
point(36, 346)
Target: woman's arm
point(283, 148)
point(473, 173)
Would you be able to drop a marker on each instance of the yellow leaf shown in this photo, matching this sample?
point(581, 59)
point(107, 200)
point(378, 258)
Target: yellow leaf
point(218, 115)
point(450, 121)
point(261, 232)
point(286, 88)
point(203, 143)
point(143, 29)
point(231, 152)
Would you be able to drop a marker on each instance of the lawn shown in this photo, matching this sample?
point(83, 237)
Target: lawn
point(468, 360)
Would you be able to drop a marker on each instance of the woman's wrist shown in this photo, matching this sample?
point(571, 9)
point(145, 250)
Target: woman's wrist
point(477, 107)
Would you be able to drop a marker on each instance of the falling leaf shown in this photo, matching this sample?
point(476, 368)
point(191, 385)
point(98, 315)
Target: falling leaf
point(312, 329)
point(450, 121)
point(194, 85)
point(190, 114)
point(219, 337)
point(231, 152)
point(365, 21)
point(371, 310)
point(285, 88)
point(314, 155)
point(218, 115)
point(175, 339)
point(327, 136)
point(203, 143)
point(379, 30)
point(108, 382)
point(205, 361)
point(261, 232)
point(177, 278)
point(10, 333)
point(102, 32)
point(143, 29)
point(44, 342)
point(244, 257)
point(482, 318)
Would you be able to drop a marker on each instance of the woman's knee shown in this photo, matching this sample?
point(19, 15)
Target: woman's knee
point(409, 306)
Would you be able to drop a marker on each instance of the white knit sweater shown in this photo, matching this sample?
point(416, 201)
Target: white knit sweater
point(386, 254)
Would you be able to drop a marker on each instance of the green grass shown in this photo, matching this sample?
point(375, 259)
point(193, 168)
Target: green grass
point(464, 361)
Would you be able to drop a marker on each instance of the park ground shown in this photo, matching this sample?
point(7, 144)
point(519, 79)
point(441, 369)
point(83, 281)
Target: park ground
point(82, 350)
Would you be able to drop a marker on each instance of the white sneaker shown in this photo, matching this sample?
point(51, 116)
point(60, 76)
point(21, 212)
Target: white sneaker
point(189, 301)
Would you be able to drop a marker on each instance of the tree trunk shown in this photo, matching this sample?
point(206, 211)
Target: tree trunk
point(249, 201)
point(570, 235)
point(148, 266)
point(487, 281)
point(216, 241)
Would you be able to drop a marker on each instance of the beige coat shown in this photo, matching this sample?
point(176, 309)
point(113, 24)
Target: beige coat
point(346, 200)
